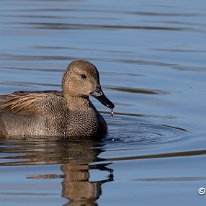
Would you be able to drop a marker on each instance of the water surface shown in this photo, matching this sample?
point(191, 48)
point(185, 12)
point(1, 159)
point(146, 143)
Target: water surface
point(151, 56)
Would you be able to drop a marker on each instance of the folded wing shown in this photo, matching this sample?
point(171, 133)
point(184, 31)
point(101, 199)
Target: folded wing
point(22, 103)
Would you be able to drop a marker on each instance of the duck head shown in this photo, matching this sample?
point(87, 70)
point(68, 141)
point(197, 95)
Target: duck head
point(81, 79)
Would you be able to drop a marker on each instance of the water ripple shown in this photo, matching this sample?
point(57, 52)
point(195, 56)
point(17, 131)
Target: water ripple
point(65, 26)
point(137, 90)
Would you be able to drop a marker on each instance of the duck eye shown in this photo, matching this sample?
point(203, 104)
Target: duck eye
point(83, 76)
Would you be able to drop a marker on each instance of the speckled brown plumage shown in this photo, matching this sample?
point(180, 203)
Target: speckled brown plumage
point(54, 113)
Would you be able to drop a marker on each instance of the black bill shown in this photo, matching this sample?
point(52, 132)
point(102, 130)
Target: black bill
point(98, 94)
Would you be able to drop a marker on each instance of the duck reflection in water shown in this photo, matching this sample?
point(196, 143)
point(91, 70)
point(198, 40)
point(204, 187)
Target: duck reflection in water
point(75, 157)
point(76, 186)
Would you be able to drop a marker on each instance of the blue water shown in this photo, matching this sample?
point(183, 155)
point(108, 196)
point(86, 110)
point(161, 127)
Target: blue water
point(151, 56)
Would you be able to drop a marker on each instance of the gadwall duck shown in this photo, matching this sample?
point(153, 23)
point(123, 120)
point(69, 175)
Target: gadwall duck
point(57, 113)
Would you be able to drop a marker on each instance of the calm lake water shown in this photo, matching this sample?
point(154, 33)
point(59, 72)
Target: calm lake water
point(152, 60)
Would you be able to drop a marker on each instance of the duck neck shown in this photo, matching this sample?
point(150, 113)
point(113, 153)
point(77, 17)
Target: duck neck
point(77, 103)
